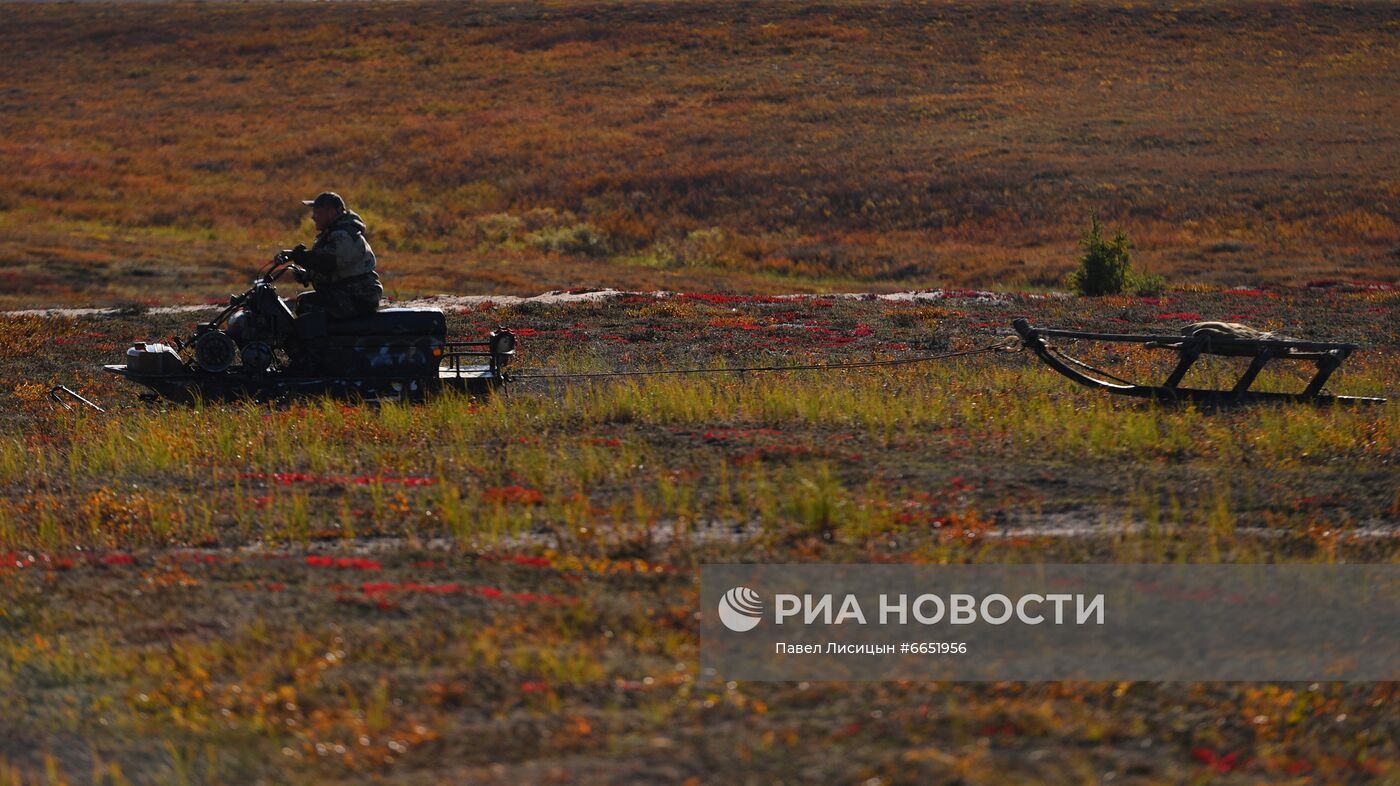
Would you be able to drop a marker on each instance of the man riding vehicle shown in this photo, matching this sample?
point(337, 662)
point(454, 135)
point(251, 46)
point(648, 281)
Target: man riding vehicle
point(335, 340)
point(339, 265)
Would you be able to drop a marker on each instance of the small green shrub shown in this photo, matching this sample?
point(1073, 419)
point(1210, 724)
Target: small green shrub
point(1106, 268)
point(1145, 285)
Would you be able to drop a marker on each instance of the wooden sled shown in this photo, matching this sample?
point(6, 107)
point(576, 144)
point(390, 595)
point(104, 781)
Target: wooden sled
point(1206, 339)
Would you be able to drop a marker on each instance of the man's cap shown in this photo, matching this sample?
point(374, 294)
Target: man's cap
point(326, 198)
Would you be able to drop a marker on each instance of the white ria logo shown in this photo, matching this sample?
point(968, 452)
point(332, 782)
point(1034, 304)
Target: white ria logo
point(740, 609)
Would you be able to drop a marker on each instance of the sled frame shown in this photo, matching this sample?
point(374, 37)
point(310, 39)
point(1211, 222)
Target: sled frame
point(1326, 356)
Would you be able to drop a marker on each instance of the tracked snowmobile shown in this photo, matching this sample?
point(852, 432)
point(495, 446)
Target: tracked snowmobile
point(256, 348)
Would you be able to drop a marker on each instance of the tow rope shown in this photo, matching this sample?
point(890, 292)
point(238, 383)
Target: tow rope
point(1008, 345)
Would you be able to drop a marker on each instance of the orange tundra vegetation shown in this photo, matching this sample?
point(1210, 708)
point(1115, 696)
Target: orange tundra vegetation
point(157, 152)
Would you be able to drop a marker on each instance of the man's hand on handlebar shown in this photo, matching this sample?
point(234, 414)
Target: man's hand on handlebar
point(296, 255)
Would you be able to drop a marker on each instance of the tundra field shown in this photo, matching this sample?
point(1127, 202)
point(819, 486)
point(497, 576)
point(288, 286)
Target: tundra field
point(505, 590)
point(157, 151)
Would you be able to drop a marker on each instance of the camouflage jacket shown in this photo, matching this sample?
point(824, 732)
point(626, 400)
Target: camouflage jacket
point(341, 254)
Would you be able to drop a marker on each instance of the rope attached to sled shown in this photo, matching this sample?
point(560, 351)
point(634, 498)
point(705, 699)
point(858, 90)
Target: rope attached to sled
point(1008, 345)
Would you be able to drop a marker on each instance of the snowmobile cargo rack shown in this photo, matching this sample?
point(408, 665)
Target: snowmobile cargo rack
point(1205, 338)
point(497, 350)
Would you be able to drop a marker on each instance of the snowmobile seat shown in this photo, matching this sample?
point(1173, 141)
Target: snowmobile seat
point(392, 322)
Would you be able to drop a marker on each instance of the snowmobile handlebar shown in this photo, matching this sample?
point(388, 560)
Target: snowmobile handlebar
point(280, 264)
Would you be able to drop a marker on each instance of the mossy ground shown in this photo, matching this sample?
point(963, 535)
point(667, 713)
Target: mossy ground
point(504, 590)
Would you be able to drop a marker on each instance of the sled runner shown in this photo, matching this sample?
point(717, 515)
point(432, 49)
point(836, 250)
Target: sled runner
point(1202, 338)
